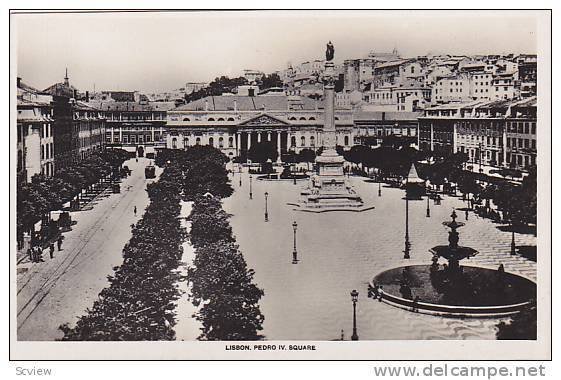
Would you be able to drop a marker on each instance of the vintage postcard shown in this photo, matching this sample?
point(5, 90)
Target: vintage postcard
point(285, 185)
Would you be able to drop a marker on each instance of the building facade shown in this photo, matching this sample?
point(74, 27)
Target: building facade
point(35, 127)
point(499, 133)
point(133, 126)
point(234, 123)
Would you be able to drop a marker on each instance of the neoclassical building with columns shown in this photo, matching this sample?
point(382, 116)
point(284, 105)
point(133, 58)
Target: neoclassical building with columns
point(233, 123)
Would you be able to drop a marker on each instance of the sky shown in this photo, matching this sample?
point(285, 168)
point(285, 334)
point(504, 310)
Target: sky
point(161, 51)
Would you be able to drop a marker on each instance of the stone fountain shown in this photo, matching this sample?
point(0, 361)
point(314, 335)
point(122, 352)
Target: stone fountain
point(452, 252)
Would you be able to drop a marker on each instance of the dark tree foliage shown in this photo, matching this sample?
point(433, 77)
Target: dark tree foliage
point(139, 303)
point(263, 151)
point(44, 194)
point(217, 87)
point(522, 326)
point(269, 81)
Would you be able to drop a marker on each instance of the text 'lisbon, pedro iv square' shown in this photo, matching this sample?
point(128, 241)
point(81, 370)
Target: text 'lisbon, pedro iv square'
point(215, 176)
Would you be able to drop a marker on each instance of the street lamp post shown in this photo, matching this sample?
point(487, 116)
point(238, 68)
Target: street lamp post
point(407, 243)
point(240, 167)
point(266, 211)
point(354, 298)
point(294, 252)
point(250, 188)
point(428, 207)
point(512, 243)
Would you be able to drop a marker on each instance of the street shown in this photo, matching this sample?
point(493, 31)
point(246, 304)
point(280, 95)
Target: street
point(59, 290)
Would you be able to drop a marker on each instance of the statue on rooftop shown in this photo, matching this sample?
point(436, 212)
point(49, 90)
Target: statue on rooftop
point(329, 52)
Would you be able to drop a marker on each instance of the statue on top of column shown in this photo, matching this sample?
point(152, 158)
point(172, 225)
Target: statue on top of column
point(329, 52)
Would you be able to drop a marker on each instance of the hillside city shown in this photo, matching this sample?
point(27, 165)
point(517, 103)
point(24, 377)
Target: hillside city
point(147, 197)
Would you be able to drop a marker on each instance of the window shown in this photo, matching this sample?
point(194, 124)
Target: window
point(230, 142)
point(185, 142)
point(312, 141)
point(198, 141)
point(221, 142)
point(302, 141)
point(174, 143)
point(210, 119)
point(210, 141)
point(346, 140)
point(293, 141)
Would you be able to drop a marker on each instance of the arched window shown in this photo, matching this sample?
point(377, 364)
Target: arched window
point(336, 118)
point(293, 141)
point(312, 141)
point(220, 119)
point(174, 143)
point(291, 118)
point(210, 119)
point(185, 142)
point(230, 119)
point(312, 118)
point(198, 141)
point(302, 118)
point(302, 141)
point(220, 142)
point(186, 119)
point(210, 141)
point(230, 142)
point(346, 140)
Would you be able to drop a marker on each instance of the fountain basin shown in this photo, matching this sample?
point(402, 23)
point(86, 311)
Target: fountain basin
point(474, 292)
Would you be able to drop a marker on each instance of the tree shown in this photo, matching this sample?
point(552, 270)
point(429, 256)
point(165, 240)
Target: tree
point(306, 155)
point(262, 152)
point(269, 81)
point(522, 326)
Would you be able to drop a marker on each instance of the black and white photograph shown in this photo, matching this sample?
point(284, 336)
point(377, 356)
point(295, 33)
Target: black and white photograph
point(280, 184)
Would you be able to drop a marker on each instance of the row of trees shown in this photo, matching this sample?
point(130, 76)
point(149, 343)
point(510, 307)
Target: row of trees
point(223, 84)
point(37, 198)
point(221, 283)
point(139, 303)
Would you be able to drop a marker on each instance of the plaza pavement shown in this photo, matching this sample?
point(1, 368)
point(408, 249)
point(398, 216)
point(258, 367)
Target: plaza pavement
point(341, 251)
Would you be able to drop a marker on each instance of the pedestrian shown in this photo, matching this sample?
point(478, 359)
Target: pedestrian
point(416, 304)
point(30, 253)
point(59, 242)
point(134, 210)
point(51, 250)
point(467, 214)
point(38, 254)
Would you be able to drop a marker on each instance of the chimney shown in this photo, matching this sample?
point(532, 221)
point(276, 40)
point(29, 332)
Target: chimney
point(87, 96)
point(19, 82)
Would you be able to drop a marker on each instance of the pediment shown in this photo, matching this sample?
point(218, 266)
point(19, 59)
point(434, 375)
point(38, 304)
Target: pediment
point(263, 119)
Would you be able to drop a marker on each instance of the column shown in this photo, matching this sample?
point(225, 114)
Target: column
point(121, 135)
point(454, 139)
point(279, 146)
point(112, 134)
point(431, 137)
point(152, 130)
point(248, 140)
point(258, 137)
point(505, 163)
point(269, 136)
point(238, 143)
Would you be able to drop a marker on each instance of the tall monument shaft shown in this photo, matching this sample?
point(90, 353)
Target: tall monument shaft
point(329, 131)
